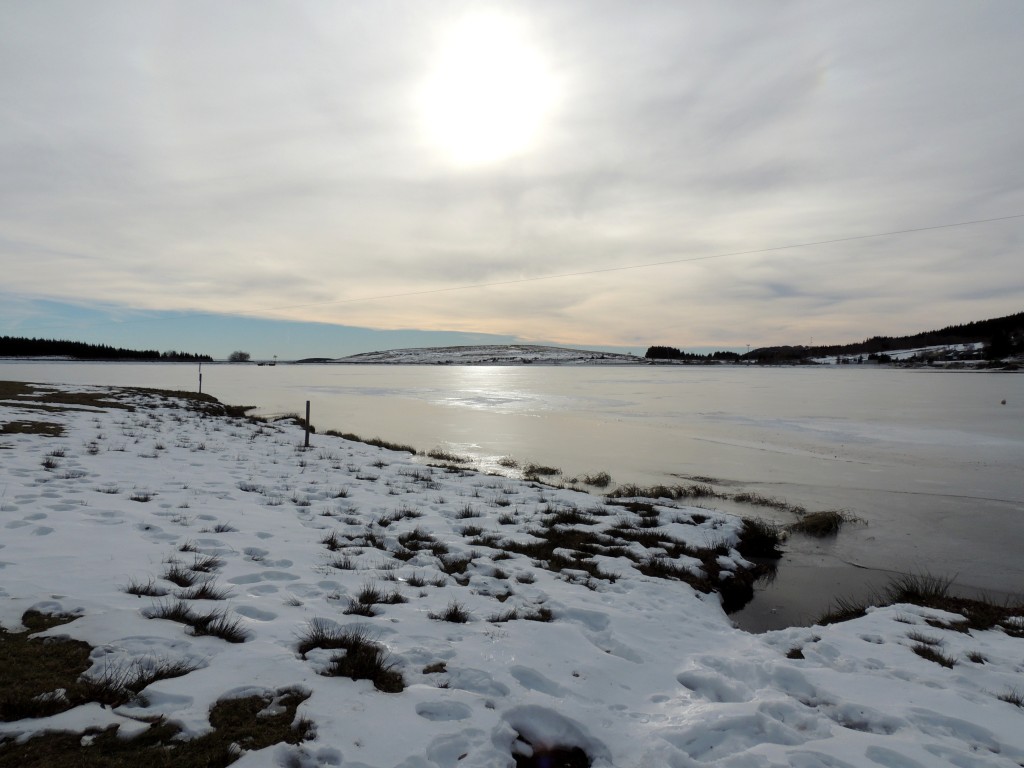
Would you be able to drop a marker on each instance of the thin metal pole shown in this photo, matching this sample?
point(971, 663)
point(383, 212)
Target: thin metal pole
point(200, 378)
point(307, 424)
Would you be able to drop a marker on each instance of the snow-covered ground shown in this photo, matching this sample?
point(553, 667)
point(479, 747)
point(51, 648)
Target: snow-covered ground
point(938, 352)
point(636, 671)
point(496, 354)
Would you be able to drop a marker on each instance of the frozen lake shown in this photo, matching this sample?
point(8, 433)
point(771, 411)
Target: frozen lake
point(931, 461)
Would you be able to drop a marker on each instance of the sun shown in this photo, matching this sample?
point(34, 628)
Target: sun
point(489, 93)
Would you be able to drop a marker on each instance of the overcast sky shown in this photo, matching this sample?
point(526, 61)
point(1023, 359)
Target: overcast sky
point(351, 163)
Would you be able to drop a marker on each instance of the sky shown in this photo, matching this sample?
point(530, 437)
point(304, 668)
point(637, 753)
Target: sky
point(326, 178)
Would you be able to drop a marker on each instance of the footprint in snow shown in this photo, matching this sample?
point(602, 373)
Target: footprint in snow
point(253, 578)
point(255, 613)
point(533, 680)
point(890, 758)
point(443, 710)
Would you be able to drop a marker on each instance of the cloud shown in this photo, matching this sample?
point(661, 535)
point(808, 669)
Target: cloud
point(172, 156)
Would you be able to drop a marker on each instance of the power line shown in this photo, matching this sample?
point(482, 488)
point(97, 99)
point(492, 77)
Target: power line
point(582, 273)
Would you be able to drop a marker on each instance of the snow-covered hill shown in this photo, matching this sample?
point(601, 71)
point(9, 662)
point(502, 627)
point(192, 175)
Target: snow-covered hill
point(491, 354)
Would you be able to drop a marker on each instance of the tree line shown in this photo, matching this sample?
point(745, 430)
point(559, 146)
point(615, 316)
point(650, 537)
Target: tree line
point(1002, 337)
point(671, 353)
point(19, 346)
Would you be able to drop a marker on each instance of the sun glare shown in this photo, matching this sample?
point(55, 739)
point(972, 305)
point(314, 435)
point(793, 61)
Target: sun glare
point(487, 96)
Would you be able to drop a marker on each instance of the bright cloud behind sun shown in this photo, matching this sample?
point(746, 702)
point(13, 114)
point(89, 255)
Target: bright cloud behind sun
point(290, 160)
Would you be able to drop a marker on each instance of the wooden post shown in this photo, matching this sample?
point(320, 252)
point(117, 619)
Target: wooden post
point(307, 424)
point(200, 378)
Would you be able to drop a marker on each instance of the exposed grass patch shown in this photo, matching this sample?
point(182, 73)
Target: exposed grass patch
point(1014, 697)
point(215, 623)
point(220, 624)
point(144, 588)
point(760, 538)
point(24, 427)
point(207, 564)
point(539, 470)
point(598, 480)
point(545, 756)
point(442, 455)
point(934, 592)
point(375, 441)
point(455, 564)
point(509, 615)
point(208, 590)
point(182, 577)
point(332, 541)
point(769, 502)
point(363, 659)
point(693, 491)
point(930, 652)
point(543, 614)
point(455, 612)
point(954, 626)
point(820, 524)
point(238, 725)
point(845, 609)
point(36, 669)
point(114, 685)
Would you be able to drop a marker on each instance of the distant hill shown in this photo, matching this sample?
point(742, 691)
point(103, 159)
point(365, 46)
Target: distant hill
point(1003, 337)
point(17, 346)
point(488, 354)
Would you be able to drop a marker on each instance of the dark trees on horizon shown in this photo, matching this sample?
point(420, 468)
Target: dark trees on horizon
point(18, 346)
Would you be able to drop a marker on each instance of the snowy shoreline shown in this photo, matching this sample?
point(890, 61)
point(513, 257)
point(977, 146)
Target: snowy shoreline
point(638, 670)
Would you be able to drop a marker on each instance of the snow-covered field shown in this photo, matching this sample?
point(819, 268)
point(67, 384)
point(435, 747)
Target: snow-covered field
point(635, 670)
point(492, 354)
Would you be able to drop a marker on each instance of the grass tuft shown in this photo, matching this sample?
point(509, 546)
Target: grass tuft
point(182, 577)
point(207, 564)
point(598, 480)
point(929, 652)
point(1014, 697)
point(114, 685)
point(820, 524)
point(455, 612)
point(207, 590)
point(760, 538)
point(363, 659)
point(144, 589)
point(442, 455)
